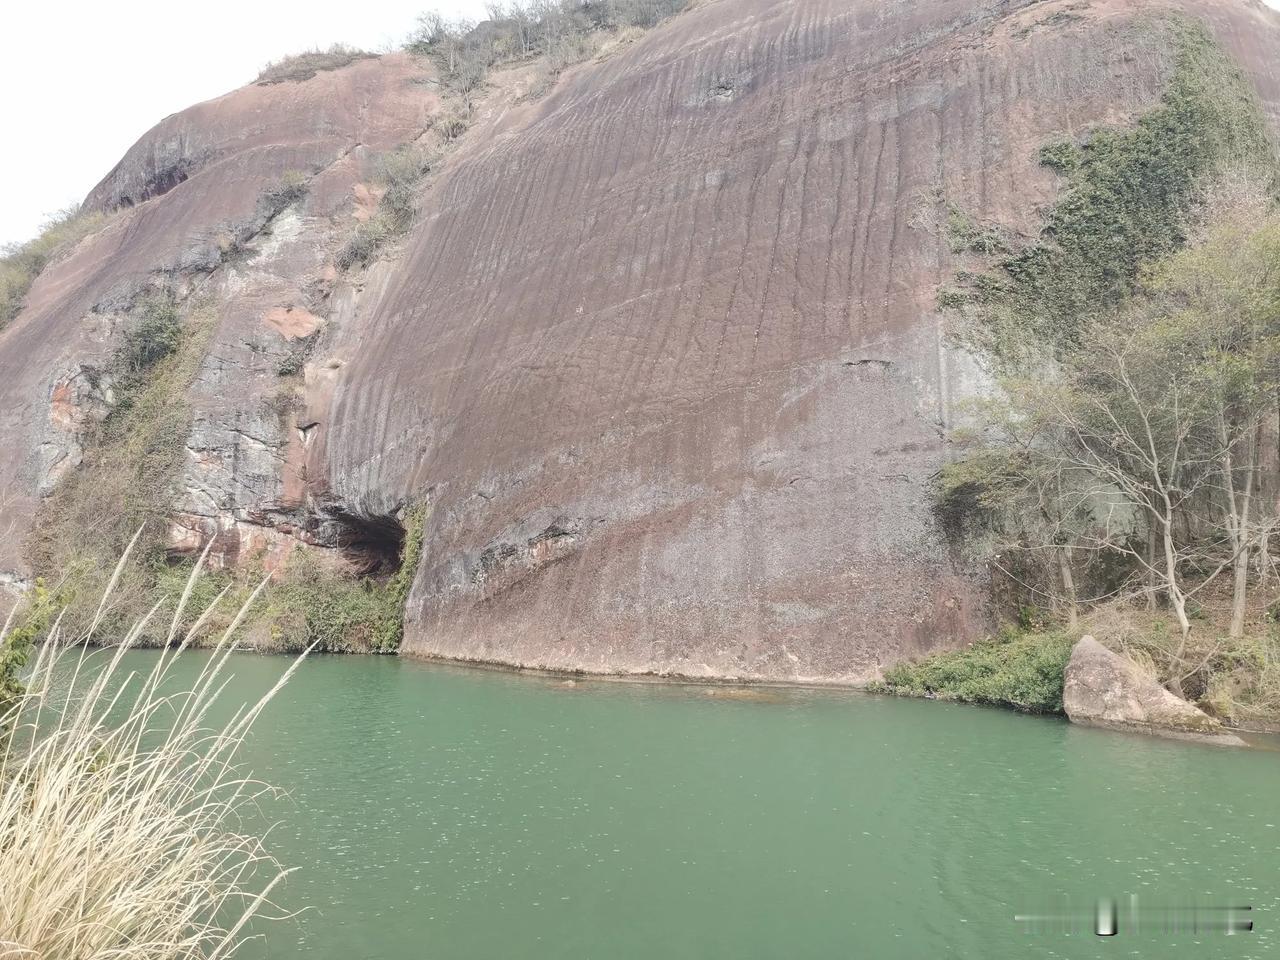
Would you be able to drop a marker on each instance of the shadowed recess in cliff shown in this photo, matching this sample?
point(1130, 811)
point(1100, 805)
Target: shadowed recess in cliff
point(373, 546)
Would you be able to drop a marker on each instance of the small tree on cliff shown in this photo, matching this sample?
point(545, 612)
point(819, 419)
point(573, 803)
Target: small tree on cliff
point(1029, 510)
point(1225, 289)
point(1145, 439)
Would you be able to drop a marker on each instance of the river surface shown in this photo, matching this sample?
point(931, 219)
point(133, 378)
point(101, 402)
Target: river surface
point(439, 812)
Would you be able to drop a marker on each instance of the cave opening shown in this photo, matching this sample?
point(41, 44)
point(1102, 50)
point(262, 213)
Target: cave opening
point(372, 545)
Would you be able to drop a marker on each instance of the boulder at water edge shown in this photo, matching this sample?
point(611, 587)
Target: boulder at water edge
point(1103, 689)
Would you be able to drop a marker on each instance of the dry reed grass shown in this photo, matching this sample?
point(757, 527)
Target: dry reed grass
point(123, 808)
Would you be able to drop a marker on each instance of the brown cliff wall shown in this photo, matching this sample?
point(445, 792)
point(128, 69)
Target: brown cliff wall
point(664, 350)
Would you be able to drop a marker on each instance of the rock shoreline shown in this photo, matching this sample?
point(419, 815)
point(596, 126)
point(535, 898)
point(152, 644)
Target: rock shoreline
point(1103, 689)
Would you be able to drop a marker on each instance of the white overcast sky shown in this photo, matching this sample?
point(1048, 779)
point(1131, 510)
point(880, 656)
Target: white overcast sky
point(85, 78)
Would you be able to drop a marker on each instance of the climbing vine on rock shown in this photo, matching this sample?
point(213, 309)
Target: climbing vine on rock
point(1124, 203)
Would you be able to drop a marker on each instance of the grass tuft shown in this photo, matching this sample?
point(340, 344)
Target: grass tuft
point(121, 808)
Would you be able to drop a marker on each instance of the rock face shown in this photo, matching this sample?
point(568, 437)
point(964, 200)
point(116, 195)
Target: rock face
point(662, 352)
point(187, 216)
point(1103, 689)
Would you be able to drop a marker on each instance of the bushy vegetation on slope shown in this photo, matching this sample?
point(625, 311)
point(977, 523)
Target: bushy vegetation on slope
point(20, 264)
point(125, 484)
point(550, 33)
point(1135, 345)
point(314, 605)
point(558, 32)
point(305, 65)
point(315, 601)
point(131, 461)
point(398, 173)
point(1126, 199)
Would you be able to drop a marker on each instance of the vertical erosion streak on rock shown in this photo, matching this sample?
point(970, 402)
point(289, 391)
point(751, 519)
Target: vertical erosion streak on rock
point(663, 348)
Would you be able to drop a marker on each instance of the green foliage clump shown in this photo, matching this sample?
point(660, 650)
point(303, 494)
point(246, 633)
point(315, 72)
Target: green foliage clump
point(27, 626)
point(293, 363)
point(969, 492)
point(20, 264)
point(154, 333)
point(1061, 156)
point(335, 612)
point(1126, 198)
point(1018, 669)
point(965, 236)
point(399, 172)
point(131, 462)
point(314, 604)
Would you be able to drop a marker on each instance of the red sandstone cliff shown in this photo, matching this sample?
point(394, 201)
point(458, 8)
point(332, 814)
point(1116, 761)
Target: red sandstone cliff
point(661, 352)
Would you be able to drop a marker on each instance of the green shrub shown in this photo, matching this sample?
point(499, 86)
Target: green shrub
point(1015, 669)
point(335, 612)
point(27, 626)
point(965, 236)
point(315, 604)
point(1061, 156)
point(153, 333)
point(292, 364)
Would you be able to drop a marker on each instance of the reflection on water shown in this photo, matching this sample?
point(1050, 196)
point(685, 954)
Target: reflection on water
point(447, 813)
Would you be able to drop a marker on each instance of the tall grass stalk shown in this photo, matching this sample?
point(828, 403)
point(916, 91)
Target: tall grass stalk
point(123, 807)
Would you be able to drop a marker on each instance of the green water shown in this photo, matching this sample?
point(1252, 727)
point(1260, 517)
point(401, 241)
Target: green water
point(446, 813)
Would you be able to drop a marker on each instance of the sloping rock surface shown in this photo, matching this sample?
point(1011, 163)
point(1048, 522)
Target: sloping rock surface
point(180, 197)
point(664, 349)
point(1104, 689)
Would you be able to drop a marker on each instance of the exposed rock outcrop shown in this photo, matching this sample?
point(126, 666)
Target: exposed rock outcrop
point(190, 218)
point(688, 300)
point(1103, 689)
point(662, 351)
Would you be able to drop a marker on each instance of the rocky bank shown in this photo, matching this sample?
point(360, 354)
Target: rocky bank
point(1103, 689)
